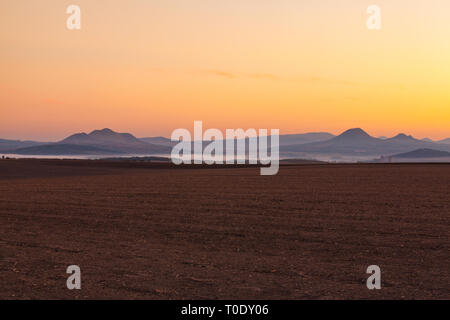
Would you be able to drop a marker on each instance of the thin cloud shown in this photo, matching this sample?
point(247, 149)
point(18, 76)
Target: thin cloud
point(268, 76)
point(221, 73)
point(274, 77)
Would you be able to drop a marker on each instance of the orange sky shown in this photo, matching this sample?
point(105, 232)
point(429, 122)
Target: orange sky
point(149, 67)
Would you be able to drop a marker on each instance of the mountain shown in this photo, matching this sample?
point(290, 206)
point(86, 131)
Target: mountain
point(418, 155)
point(15, 144)
point(302, 138)
point(352, 144)
point(104, 141)
point(445, 141)
point(401, 137)
point(427, 140)
point(162, 141)
point(356, 135)
point(285, 139)
point(357, 142)
point(118, 142)
point(351, 141)
point(423, 153)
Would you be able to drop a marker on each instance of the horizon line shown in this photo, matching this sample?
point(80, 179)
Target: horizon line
point(281, 134)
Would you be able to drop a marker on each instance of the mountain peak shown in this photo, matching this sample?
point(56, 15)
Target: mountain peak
point(105, 131)
point(353, 133)
point(107, 139)
point(403, 137)
point(101, 136)
point(355, 130)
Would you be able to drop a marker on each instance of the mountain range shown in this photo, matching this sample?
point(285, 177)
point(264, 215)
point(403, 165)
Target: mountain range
point(419, 155)
point(423, 153)
point(445, 141)
point(353, 142)
point(357, 142)
point(98, 142)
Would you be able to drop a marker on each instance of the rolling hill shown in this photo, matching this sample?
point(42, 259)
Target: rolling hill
point(416, 156)
point(162, 141)
point(357, 142)
point(104, 141)
point(445, 141)
point(352, 143)
point(15, 144)
point(423, 153)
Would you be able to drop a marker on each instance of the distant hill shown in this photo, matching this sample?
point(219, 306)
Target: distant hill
point(104, 141)
point(423, 153)
point(351, 144)
point(401, 137)
point(445, 141)
point(117, 142)
point(162, 141)
point(419, 155)
point(302, 138)
point(358, 142)
point(285, 139)
point(15, 144)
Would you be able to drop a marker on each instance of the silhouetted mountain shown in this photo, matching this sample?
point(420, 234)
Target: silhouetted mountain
point(285, 139)
point(445, 141)
point(355, 135)
point(118, 142)
point(419, 155)
point(353, 143)
point(427, 140)
point(357, 142)
point(349, 142)
point(162, 141)
point(401, 137)
point(302, 138)
point(6, 145)
point(98, 142)
point(423, 153)
point(104, 136)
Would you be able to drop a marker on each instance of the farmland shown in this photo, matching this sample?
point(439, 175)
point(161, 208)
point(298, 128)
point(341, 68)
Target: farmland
point(154, 231)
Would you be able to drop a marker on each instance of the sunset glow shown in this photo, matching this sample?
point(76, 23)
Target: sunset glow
point(148, 67)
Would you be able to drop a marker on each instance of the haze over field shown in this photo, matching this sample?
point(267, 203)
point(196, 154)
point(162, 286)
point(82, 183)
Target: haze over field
point(350, 146)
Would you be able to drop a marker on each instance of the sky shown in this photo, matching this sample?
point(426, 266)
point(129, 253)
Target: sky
point(149, 67)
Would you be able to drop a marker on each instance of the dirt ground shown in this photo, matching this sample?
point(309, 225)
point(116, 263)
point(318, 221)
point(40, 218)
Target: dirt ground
point(150, 231)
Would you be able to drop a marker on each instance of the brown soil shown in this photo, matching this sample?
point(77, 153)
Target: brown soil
point(149, 231)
